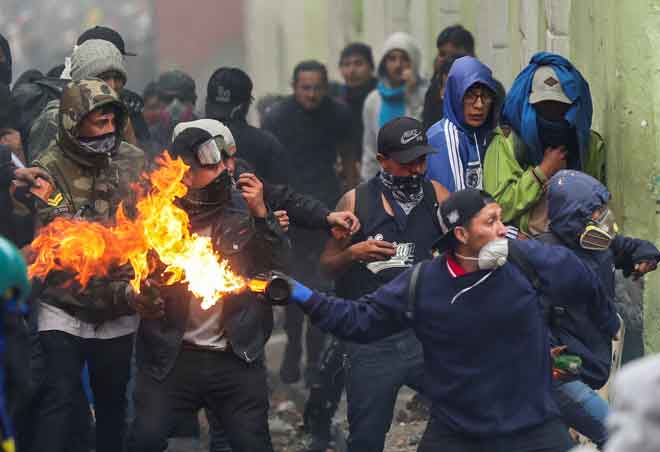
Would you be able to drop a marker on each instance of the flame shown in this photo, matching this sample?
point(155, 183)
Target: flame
point(160, 228)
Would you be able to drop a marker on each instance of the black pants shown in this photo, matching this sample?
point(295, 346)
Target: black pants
point(552, 436)
point(307, 248)
point(314, 338)
point(64, 356)
point(325, 394)
point(235, 391)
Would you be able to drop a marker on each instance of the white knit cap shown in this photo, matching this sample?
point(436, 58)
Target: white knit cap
point(95, 57)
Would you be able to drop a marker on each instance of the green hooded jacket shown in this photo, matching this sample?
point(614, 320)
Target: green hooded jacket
point(516, 185)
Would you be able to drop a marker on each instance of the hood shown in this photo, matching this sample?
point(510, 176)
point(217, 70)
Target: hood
point(572, 198)
point(401, 41)
point(7, 75)
point(518, 113)
point(79, 98)
point(465, 72)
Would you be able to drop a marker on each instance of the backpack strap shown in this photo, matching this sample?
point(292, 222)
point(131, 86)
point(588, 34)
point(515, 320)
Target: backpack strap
point(413, 289)
point(431, 201)
point(363, 204)
point(552, 313)
point(520, 260)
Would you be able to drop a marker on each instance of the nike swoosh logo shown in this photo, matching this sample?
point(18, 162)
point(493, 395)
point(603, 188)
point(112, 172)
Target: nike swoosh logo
point(408, 140)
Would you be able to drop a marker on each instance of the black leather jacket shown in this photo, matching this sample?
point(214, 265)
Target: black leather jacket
point(251, 246)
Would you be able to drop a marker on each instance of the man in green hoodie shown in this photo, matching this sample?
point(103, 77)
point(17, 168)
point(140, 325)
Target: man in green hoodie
point(546, 121)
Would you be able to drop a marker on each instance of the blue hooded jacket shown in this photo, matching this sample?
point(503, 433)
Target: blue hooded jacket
point(461, 148)
point(587, 329)
point(521, 115)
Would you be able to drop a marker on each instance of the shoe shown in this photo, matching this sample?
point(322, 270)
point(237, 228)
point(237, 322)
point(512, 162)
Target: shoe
point(315, 443)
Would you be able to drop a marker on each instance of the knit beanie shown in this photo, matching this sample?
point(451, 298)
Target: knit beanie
point(95, 57)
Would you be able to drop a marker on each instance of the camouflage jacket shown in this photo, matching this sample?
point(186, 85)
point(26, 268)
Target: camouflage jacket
point(90, 186)
point(43, 133)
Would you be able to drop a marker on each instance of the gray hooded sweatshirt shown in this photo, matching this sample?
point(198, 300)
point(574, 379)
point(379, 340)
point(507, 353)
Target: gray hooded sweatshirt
point(371, 111)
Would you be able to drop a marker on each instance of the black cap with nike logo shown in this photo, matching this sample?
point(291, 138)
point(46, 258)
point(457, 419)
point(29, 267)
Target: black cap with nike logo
point(403, 139)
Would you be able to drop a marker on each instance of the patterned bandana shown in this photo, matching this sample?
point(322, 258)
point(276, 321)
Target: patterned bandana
point(408, 191)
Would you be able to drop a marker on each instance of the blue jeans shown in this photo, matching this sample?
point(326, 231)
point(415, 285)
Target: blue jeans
point(582, 409)
point(374, 374)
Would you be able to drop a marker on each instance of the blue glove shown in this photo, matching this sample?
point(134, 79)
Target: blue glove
point(299, 293)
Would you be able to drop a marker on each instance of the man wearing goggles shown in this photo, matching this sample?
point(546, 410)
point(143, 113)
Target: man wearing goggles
point(189, 358)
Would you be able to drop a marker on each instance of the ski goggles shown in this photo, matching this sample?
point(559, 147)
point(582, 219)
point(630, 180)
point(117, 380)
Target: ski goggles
point(208, 153)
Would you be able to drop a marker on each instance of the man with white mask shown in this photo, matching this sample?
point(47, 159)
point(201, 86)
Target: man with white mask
point(480, 320)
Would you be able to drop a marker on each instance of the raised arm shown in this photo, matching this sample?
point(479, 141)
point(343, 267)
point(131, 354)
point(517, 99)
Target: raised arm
point(372, 317)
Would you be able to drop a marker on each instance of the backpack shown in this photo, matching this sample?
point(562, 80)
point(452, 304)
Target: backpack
point(30, 98)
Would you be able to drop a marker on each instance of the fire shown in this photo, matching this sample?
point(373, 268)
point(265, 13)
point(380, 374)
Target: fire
point(161, 228)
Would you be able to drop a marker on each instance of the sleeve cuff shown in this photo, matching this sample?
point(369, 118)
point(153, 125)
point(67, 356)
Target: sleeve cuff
point(312, 302)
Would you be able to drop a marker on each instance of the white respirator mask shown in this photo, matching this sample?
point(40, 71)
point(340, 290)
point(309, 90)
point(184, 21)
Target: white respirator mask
point(492, 255)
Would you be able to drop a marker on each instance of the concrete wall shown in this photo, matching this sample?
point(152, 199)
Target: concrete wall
point(614, 44)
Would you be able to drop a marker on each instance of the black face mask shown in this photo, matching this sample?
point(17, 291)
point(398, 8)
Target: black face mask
point(5, 73)
point(201, 200)
point(554, 133)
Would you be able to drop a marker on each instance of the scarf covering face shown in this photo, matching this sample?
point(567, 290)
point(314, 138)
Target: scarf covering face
point(521, 115)
point(406, 190)
point(393, 103)
point(103, 144)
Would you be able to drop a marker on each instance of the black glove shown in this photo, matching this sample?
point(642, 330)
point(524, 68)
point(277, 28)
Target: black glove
point(148, 303)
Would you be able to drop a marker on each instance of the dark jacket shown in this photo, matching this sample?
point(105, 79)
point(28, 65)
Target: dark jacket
point(6, 73)
point(17, 226)
point(587, 329)
point(311, 140)
point(304, 211)
point(354, 98)
point(260, 149)
point(251, 246)
point(486, 345)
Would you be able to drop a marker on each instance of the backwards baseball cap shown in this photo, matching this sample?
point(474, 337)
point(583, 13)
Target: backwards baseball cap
point(227, 88)
point(403, 139)
point(457, 210)
point(106, 34)
point(546, 86)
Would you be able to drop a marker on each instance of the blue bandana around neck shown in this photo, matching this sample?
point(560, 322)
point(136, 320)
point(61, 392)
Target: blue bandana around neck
point(393, 103)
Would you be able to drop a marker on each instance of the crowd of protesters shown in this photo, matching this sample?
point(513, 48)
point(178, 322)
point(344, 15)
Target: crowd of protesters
point(438, 233)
